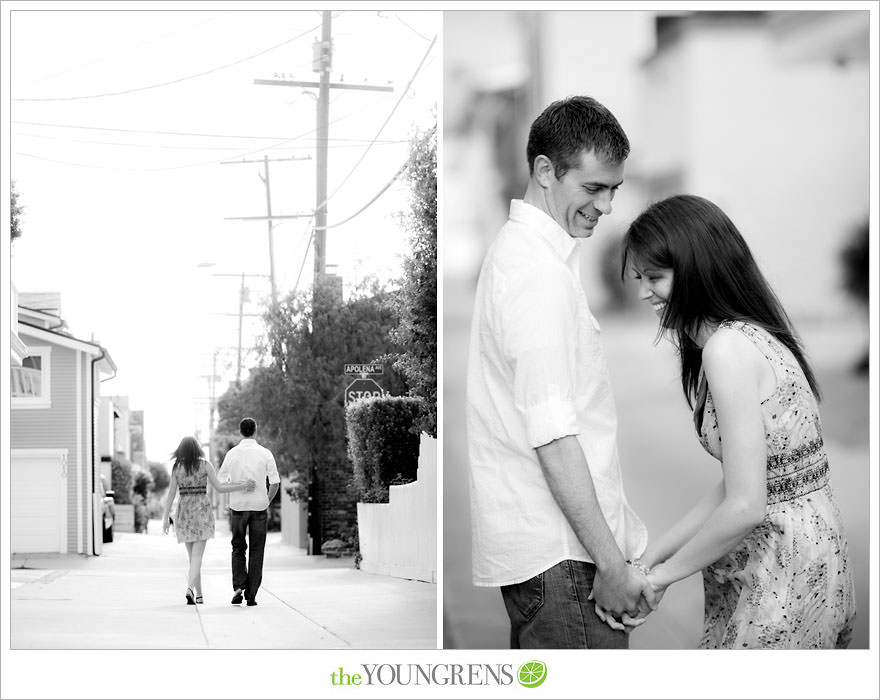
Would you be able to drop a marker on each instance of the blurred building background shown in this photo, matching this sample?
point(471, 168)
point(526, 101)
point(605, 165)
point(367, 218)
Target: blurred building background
point(766, 114)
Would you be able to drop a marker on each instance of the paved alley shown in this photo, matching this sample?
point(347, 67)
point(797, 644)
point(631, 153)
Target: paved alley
point(132, 597)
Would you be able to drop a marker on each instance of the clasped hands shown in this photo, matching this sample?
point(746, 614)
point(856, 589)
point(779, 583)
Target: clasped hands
point(625, 598)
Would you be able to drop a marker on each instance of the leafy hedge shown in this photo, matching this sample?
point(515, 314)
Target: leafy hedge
point(383, 443)
point(141, 514)
point(122, 479)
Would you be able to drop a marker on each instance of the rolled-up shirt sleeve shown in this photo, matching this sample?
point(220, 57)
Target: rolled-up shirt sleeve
point(539, 336)
point(272, 469)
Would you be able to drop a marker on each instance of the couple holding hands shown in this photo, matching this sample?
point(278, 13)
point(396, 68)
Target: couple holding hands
point(551, 524)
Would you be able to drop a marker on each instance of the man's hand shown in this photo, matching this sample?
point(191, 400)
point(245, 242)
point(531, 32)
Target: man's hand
point(617, 591)
point(649, 601)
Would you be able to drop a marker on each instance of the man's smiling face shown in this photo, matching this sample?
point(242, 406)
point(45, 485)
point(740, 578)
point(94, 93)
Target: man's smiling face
point(583, 194)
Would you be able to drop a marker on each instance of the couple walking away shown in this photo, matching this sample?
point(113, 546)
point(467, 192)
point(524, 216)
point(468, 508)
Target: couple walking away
point(551, 524)
point(244, 474)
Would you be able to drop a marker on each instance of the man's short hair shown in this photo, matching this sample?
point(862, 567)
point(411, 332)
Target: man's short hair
point(248, 427)
point(574, 125)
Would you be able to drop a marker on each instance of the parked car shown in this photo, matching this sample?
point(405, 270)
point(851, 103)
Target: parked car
point(108, 508)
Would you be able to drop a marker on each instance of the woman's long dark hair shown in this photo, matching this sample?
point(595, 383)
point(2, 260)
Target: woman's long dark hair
point(715, 278)
point(188, 454)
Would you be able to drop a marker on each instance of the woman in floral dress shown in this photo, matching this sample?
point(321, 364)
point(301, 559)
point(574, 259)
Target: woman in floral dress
point(768, 538)
point(194, 518)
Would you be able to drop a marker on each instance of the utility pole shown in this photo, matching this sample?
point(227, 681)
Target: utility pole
point(322, 66)
point(243, 296)
point(212, 402)
point(268, 217)
point(265, 179)
point(322, 61)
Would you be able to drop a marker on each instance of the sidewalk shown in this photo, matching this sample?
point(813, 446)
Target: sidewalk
point(132, 597)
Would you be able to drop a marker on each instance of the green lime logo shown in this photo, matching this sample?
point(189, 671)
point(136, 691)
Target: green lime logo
point(531, 674)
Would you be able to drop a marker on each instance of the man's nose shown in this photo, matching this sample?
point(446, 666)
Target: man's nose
point(603, 202)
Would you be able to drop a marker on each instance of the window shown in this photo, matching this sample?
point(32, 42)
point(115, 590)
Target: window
point(29, 384)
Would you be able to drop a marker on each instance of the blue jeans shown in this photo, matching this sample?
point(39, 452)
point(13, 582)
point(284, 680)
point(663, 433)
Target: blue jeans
point(551, 611)
point(248, 528)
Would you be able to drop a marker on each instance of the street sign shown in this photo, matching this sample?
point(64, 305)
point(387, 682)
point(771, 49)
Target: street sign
point(376, 368)
point(362, 388)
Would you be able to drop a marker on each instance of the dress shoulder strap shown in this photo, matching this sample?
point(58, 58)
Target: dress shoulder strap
point(765, 342)
point(700, 403)
point(760, 337)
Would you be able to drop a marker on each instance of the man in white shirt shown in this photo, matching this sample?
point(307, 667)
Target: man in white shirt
point(551, 524)
point(248, 511)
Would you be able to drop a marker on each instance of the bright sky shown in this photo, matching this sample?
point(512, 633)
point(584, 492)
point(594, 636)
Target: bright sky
point(126, 201)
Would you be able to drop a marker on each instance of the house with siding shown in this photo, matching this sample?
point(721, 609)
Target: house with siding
point(54, 403)
point(17, 348)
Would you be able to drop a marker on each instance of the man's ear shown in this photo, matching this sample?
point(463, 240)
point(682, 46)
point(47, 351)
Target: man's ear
point(545, 174)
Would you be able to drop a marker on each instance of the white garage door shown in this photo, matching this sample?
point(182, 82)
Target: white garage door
point(39, 508)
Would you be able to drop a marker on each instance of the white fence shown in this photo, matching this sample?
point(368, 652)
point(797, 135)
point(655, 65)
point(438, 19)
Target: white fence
point(293, 518)
point(399, 538)
point(123, 517)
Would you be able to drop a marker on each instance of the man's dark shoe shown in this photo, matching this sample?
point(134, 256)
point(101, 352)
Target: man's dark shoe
point(251, 602)
point(238, 597)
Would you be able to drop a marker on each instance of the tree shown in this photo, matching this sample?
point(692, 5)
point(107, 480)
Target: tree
point(142, 488)
point(122, 478)
point(296, 397)
point(161, 477)
point(854, 257)
point(856, 277)
point(143, 483)
point(416, 302)
point(16, 210)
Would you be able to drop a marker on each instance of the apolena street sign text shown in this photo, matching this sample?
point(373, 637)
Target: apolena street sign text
point(376, 368)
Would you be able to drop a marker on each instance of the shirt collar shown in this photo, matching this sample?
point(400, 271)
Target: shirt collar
point(545, 227)
point(244, 439)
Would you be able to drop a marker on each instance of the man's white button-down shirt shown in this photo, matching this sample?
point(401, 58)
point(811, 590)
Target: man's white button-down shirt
point(249, 460)
point(536, 373)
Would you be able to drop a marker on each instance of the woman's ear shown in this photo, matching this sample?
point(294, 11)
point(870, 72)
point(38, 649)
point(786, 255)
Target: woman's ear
point(544, 171)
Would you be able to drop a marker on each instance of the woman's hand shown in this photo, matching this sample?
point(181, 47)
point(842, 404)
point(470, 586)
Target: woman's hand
point(248, 485)
point(166, 523)
point(649, 600)
point(658, 588)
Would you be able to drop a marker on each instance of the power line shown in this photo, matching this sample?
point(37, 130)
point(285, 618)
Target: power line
point(309, 132)
point(408, 26)
point(378, 194)
point(280, 141)
point(146, 131)
point(190, 165)
point(125, 50)
point(305, 257)
point(404, 93)
point(382, 191)
point(112, 167)
point(354, 143)
point(169, 82)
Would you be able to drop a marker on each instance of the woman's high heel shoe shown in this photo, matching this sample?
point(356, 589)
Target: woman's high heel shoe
point(199, 600)
point(190, 597)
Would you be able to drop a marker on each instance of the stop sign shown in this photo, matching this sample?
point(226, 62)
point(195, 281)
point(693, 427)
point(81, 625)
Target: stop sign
point(361, 388)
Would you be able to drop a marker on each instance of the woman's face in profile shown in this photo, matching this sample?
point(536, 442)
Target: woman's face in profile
point(655, 285)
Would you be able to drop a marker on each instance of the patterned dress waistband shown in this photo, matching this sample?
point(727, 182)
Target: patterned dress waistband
point(795, 455)
point(810, 472)
point(192, 490)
